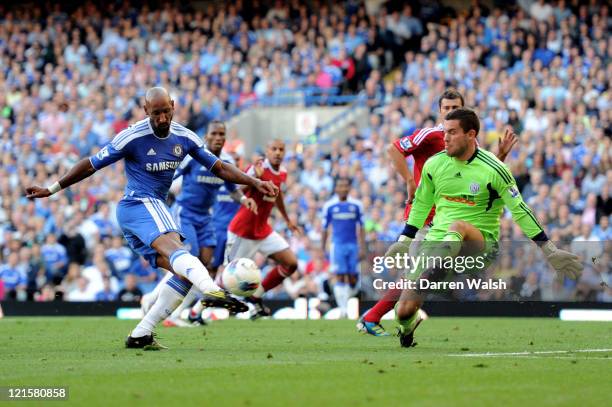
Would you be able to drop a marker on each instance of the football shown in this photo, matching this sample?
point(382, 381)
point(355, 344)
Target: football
point(241, 277)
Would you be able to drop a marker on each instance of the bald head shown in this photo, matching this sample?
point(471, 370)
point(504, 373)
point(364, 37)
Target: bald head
point(275, 152)
point(156, 92)
point(160, 108)
point(275, 141)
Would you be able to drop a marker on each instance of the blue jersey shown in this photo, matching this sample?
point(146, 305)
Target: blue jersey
point(119, 258)
point(11, 277)
point(52, 254)
point(150, 161)
point(224, 210)
point(200, 187)
point(344, 217)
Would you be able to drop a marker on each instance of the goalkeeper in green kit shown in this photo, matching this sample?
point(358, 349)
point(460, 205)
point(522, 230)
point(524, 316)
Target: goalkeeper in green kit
point(469, 188)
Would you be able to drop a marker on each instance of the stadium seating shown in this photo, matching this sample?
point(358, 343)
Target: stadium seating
point(72, 79)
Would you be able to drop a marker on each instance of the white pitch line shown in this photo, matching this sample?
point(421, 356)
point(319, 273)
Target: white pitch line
point(565, 357)
point(543, 352)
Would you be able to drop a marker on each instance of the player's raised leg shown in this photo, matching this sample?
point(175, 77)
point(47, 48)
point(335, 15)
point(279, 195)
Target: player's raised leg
point(191, 268)
point(201, 238)
point(188, 230)
point(191, 299)
point(408, 311)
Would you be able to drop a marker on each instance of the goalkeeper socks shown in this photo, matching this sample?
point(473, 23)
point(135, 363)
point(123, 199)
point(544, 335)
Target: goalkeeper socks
point(187, 265)
point(187, 301)
point(384, 305)
point(272, 279)
point(409, 324)
point(170, 296)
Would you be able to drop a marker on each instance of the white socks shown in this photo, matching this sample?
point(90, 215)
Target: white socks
point(187, 265)
point(152, 296)
point(342, 293)
point(170, 296)
point(187, 301)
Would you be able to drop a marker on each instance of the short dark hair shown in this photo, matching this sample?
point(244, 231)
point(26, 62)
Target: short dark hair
point(468, 119)
point(450, 93)
point(339, 179)
point(214, 123)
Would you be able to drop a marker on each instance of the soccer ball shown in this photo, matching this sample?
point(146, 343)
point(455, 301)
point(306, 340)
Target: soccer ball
point(241, 277)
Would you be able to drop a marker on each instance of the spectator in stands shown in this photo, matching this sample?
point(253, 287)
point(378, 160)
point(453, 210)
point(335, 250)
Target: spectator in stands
point(80, 291)
point(130, 291)
point(14, 281)
point(106, 294)
point(540, 68)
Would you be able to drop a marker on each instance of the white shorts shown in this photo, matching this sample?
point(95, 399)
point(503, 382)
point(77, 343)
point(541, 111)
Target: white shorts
point(238, 247)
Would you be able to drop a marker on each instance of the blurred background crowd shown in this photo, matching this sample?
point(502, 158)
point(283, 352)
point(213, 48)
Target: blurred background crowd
point(71, 78)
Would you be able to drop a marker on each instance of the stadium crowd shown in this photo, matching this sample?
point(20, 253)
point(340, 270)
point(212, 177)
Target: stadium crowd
point(71, 80)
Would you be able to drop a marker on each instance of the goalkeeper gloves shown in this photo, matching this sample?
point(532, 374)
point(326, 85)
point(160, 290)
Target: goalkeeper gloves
point(562, 261)
point(400, 247)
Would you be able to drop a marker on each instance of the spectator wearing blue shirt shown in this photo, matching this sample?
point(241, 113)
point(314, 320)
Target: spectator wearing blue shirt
point(54, 257)
point(603, 231)
point(107, 294)
point(103, 221)
point(119, 257)
point(13, 279)
point(146, 275)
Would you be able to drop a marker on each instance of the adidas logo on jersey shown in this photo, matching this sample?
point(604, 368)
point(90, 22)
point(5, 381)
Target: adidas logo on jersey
point(458, 175)
point(151, 152)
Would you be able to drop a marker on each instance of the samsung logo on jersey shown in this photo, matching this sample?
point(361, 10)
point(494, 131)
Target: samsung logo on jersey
point(163, 166)
point(207, 179)
point(345, 215)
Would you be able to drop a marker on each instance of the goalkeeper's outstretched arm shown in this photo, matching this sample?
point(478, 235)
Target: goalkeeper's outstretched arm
point(562, 261)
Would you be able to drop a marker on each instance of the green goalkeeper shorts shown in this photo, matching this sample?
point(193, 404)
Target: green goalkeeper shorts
point(435, 260)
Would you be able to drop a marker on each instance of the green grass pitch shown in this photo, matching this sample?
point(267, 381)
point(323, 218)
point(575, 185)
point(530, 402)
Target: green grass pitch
point(322, 363)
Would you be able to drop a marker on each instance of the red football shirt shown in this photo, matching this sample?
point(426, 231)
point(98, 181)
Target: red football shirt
point(421, 145)
point(249, 225)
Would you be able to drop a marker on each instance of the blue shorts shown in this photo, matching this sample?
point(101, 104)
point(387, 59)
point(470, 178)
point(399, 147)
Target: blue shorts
point(219, 253)
point(198, 229)
point(143, 220)
point(345, 258)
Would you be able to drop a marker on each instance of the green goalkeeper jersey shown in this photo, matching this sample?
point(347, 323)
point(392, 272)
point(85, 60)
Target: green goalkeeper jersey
point(474, 191)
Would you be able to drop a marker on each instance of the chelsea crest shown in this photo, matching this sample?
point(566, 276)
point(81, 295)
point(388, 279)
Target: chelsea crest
point(178, 150)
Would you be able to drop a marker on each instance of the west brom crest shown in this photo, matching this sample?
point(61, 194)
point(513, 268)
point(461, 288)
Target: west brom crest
point(178, 150)
point(513, 192)
point(474, 188)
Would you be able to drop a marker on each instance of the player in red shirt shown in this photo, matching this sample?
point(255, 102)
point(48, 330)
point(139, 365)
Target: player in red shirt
point(250, 232)
point(421, 145)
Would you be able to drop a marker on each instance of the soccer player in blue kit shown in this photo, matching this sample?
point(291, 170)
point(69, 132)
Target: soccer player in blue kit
point(223, 213)
point(193, 213)
point(344, 215)
point(153, 149)
point(198, 195)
